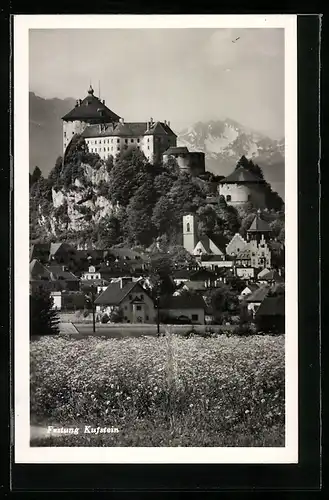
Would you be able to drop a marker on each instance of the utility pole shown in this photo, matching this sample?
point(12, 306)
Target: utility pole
point(93, 307)
point(158, 309)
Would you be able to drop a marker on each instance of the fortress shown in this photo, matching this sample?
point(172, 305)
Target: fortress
point(106, 134)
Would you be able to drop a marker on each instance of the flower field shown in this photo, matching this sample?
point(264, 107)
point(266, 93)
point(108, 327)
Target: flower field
point(167, 391)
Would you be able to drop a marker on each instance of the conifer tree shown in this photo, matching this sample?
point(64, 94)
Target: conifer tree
point(43, 319)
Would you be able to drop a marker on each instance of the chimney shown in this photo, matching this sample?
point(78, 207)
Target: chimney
point(121, 120)
point(103, 101)
point(165, 122)
point(77, 103)
point(168, 124)
point(80, 101)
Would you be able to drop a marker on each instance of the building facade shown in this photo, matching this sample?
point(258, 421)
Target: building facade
point(107, 134)
point(188, 161)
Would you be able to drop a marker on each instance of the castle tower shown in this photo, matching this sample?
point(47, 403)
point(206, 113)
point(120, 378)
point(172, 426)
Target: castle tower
point(190, 238)
point(258, 229)
point(89, 111)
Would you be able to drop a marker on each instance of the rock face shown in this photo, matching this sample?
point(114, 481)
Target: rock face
point(78, 207)
point(224, 142)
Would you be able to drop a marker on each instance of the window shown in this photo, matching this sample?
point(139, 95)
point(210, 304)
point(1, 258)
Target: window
point(142, 297)
point(118, 140)
point(111, 148)
point(111, 140)
point(64, 134)
point(126, 141)
point(130, 297)
point(148, 147)
point(147, 317)
point(108, 149)
point(104, 149)
point(195, 317)
point(138, 308)
point(188, 228)
point(249, 197)
point(137, 140)
point(131, 140)
point(148, 139)
point(118, 148)
point(108, 141)
point(228, 197)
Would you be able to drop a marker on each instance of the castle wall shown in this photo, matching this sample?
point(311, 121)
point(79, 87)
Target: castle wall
point(70, 128)
point(239, 194)
point(193, 162)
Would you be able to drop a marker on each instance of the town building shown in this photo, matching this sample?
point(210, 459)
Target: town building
point(196, 245)
point(107, 134)
point(241, 187)
point(190, 309)
point(133, 301)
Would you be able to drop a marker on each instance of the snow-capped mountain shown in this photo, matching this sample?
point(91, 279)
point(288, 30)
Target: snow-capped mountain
point(224, 142)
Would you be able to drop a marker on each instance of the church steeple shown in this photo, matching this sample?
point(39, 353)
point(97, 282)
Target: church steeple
point(91, 90)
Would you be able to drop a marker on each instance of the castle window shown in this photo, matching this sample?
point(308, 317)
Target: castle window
point(188, 228)
point(148, 139)
point(148, 147)
point(118, 140)
point(126, 141)
point(111, 140)
point(131, 140)
point(111, 148)
point(228, 197)
point(249, 197)
point(137, 140)
point(104, 149)
point(64, 134)
point(108, 149)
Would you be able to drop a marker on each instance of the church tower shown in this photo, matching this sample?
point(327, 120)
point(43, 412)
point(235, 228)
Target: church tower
point(190, 238)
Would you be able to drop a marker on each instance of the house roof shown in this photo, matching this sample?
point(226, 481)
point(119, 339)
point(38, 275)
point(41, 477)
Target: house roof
point(202, 275)
point(126, 129)
point(38, 271)
point(114, 294)
point(259, 225)
point(179, 150)
point(182, 302)
point(58, 273)
point(252, 287)
point(181, 274)
point(263, 272)
point(239, 175)
point(272, 306)
point(126, 253)
point(91, 108)
point(39, 249)
point(259, 294)
point(272, 275)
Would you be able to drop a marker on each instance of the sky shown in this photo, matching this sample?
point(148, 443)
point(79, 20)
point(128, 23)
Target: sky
point(181, 75)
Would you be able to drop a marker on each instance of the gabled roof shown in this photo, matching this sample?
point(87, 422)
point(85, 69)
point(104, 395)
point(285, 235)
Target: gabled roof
point(259, 294)
point(252, 287)
point(114, 294)
point(91, 108)
point(38, 271)
point(272, 306)
point(39, 250)
point(259, 225)
point(181, 302)
point(55, 247)
point(240, 175)
point(58, 273)
point(159, 128)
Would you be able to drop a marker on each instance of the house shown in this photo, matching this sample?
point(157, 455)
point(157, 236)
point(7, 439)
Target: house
point(255, 299)
point(62, 253)
point(40, 252)
point(179, 307)
point(130, 298)
point(245, 272)
point(63, 278)
point(271, 276)
point(270, 316)
point(40, 276)
point(249, 289)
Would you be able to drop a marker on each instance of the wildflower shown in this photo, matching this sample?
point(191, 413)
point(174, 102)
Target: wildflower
point(262, 400)
point(191, 405)
point(247, 411)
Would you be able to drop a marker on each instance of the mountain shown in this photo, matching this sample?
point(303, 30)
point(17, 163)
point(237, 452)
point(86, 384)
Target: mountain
point(45, 127)
point(225, 141)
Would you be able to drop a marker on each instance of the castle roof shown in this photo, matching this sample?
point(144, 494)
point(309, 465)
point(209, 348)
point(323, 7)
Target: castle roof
point(241, 175)
point(126, 129)
point(179, 150)
point(91, 108)
point(259, 225)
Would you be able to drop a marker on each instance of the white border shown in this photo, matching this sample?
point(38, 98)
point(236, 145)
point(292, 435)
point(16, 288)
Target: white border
point(23, 452)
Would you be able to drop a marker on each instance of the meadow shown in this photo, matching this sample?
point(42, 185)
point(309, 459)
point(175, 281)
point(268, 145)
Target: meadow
point(167, 391)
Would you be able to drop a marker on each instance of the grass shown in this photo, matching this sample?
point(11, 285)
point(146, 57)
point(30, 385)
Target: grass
point(167, 391)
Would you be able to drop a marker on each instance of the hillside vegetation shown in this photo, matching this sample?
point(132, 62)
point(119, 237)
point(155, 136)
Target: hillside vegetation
point(128, 201)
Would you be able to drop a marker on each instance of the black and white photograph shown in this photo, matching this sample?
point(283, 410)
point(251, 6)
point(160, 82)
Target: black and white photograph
point(155, 272)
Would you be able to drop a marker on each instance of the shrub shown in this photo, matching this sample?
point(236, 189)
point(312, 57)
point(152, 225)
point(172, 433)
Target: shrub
point(105, 318)
point(85, 313)
point(163, 391)
point(43, 318)
point(244, 329)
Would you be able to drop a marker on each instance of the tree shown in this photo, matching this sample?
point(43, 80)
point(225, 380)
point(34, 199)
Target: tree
point(108, 232)
point(222, 299)
point(139, 211)
point(160, 270)
point(36, 175)
point(43, 319)
point(163, 216)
